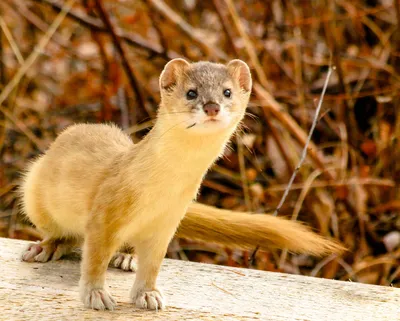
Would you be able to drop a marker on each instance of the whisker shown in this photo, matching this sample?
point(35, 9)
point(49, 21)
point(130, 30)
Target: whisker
point(191, 126)
point(174, 112)
point(252, 116)
point(229, 147)
point(172, 127)
point(147, 119)
point(243, 126)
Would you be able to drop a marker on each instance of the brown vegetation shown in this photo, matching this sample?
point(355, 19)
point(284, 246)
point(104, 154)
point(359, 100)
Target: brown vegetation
point(102, 64)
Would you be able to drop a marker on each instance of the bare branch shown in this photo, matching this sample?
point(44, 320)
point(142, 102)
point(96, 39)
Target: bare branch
point(303, 154)
point(24, 68)
point(96, 25)
point(117, 43)
point(305, 149)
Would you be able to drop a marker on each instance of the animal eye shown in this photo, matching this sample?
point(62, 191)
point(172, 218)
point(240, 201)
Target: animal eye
point(227, 93)
point(191, 94)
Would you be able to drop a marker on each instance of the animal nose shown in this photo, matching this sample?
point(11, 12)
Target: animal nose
point(211, 109)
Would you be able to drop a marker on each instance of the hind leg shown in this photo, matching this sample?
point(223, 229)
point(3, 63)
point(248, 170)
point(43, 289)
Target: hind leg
point(54, 245)
point(49, 249)
point(125, 259)
point(55, 242)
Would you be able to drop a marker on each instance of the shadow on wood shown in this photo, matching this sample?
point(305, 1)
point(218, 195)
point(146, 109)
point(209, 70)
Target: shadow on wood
point(194, 291)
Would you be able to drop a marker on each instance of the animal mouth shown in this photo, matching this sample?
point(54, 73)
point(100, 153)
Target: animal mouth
point(212, 120)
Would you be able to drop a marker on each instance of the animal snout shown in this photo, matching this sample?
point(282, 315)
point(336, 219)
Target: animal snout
point(211, 109)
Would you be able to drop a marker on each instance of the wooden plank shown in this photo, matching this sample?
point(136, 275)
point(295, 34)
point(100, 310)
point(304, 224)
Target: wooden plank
point(194, 291)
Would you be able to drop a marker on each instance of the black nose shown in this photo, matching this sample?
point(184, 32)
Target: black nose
point(211, 109)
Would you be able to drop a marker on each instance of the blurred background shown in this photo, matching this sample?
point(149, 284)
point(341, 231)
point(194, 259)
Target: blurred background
point(101, 64)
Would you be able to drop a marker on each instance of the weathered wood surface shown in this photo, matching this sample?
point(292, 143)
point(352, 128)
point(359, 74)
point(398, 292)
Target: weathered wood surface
point(34, 291)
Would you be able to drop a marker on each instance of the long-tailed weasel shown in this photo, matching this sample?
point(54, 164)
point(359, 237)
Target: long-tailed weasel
point(94, 185)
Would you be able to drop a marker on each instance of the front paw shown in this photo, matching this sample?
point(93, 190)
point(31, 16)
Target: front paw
point(97, 299)
point(148, 299)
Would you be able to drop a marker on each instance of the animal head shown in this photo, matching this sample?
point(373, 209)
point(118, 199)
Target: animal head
point(204, 97)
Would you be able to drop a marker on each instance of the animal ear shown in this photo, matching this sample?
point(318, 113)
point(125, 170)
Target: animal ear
point(171, 73)
point(241, 72)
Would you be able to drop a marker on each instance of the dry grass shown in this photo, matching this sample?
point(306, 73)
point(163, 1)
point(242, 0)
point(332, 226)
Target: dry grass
point(348, 187)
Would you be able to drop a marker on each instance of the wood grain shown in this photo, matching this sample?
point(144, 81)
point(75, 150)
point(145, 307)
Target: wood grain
point(194, 291)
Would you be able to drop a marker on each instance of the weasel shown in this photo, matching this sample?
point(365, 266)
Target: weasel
point(94, 186)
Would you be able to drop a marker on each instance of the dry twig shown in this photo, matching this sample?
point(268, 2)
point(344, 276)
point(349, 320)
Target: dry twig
point(11, 41)
point(96, 25)
point(176, 19)
point(117, 43)
point(304, 152)
point(249, 46)
point(305, 149)
point(24, 68)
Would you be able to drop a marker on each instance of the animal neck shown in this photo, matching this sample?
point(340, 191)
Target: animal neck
point(181, 152)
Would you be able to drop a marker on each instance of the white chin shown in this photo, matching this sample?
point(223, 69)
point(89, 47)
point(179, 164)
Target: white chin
point(210, 126)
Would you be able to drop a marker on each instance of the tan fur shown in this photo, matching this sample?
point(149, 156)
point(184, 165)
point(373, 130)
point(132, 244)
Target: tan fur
point(95, 186)
point(243, 230)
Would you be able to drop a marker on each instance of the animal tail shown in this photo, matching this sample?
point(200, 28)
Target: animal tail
point(244, 230)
